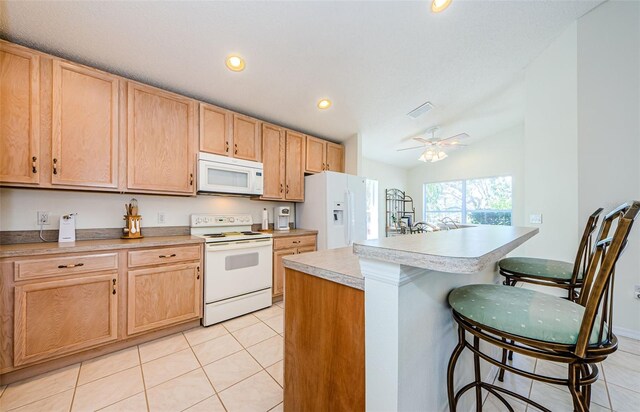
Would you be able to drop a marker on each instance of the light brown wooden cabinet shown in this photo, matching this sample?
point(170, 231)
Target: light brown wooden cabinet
point(246, 138)
point(163, 295)
point(19, 115)
point(161, 141)
point(57, 317)
point(84, 138)
point(286, 246)
point(215, 129)
point(283, 162)
point(322, 155)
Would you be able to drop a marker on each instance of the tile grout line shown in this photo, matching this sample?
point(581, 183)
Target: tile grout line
point(606, 386)
point(75, 387)
point(144, 383)
point(215, 391)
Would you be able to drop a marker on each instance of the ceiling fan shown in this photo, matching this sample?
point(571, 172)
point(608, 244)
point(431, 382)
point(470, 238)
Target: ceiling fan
point(434, 148)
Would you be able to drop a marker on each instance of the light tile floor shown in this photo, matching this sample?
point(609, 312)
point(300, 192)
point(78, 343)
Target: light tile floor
point(238, 366)
point(233, 366)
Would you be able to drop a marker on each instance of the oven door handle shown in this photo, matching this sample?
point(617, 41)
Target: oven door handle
point(246, 244)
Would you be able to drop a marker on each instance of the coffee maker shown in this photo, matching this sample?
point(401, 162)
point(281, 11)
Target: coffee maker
point(281, 218)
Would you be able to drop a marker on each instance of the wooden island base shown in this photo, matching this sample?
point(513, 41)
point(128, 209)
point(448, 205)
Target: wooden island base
point(324, 345)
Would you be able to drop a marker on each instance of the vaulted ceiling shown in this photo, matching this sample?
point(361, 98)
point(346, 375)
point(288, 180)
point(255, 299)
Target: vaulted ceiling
point(375, 60)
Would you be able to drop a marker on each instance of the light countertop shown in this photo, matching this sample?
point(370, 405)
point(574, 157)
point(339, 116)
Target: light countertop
point(33, 249)
point(465, 250)
point(291, 232)
point(337, 265)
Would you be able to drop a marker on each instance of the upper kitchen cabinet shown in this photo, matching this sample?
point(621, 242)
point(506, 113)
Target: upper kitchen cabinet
point(19, 115)
point(283, 161)
point(315, 155)
point(215, 129)
point(273, 160)
point(161, 141)
point(294, 166)
point(322, 155)
point(246, 138)
point(335, 157)
point(84, 132)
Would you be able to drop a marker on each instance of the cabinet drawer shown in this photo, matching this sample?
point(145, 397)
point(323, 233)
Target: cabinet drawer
point(294, 241)
point(67, 265)
point(162, 256)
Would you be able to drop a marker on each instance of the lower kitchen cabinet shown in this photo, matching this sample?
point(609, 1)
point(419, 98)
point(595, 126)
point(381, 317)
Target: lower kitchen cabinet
point(162, 296)
point(286, 246)
point(64, 316)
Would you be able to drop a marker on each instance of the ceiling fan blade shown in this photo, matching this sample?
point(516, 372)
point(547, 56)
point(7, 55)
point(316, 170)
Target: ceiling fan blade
point(452, 144)
point(409, 148)
point(456, 137)
point(420, 139)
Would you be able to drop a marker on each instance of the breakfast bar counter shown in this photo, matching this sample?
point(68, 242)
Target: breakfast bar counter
point(388, 296)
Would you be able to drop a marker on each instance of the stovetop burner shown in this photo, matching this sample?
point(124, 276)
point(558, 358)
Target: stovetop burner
point(226, 234)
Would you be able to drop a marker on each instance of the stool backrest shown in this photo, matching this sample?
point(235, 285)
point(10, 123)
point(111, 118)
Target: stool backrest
point(585, 250)
point(598, 281)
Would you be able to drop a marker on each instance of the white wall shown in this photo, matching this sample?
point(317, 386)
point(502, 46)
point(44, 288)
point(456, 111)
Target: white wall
point(19, 207)
point(550, 148)
point(498, 155)
point(388, 177)
point(609, 131)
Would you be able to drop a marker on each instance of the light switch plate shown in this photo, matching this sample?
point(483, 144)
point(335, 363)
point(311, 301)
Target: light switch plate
point(535, 219)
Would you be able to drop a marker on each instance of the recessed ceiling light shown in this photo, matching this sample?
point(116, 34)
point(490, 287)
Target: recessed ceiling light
point(439, 5)
point(235, 63)
point(324, 104)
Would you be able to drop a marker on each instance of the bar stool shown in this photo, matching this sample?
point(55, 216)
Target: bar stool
point(578, 334)
point(554, 273)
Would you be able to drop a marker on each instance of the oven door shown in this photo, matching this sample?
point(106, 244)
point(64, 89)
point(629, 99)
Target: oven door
point(225, 178)
point(236, 268)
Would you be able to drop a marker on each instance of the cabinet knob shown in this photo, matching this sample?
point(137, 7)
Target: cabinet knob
point(55, 166)
point(190, 179)
point(34, 169)
point(328, 166)
point(167, 256)
point(281, 188)
point(324, 167)
point(114, 286)
point(226, 147)
point(287, 189)
point(235, 148)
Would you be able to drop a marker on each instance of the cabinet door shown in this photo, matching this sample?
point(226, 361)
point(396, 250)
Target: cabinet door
point(64, 316)
point(278, 270)
point(273, 155)
point(315, 155)
point(335, 157)
point(84, 140)
point(160, 141)
point(294, 167)
point(246, 138)
point(19, 115)
point(163, 296)
point(215, 130)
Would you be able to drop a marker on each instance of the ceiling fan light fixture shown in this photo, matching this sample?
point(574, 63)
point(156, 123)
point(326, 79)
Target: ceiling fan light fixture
point(438, 6)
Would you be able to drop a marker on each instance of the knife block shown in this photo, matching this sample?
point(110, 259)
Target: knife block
point(131, 222)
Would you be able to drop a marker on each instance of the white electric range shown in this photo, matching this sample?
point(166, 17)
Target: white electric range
point(237, 266)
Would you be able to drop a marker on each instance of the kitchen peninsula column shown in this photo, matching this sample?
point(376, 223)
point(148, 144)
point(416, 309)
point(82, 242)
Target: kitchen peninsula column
point(409, 333)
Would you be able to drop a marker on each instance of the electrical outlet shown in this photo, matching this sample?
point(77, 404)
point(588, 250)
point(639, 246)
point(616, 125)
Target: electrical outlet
point(43, 218)
point(535, 219)
point(162, 218)
point(636, 292)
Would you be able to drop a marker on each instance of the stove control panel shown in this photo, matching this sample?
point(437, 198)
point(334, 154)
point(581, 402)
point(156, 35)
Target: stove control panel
point(220, 220)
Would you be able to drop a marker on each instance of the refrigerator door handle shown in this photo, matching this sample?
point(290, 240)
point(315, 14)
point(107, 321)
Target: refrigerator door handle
point(351, 216)
point(348, 225)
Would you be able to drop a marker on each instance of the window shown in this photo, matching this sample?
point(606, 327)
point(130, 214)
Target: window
point(372, 209)
point(486, 201)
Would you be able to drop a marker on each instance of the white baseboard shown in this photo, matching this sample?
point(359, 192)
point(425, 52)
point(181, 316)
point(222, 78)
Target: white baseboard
point(627, 333)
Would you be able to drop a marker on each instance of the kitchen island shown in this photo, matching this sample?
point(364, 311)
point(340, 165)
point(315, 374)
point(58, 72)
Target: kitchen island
point(370, 325)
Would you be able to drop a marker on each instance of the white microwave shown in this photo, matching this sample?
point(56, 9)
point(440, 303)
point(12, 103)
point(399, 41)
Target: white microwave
point(222, 174)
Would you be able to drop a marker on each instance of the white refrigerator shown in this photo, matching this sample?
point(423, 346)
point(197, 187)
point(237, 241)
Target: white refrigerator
point(335, 205)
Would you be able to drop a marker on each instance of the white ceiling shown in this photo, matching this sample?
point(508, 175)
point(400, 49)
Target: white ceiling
point(376, 60)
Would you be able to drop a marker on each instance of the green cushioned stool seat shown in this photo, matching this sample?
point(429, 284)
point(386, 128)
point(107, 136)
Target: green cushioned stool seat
point(544, 268)
point(522, 312)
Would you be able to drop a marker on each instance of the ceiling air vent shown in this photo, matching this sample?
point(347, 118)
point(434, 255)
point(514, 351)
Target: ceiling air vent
point(420, 110)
